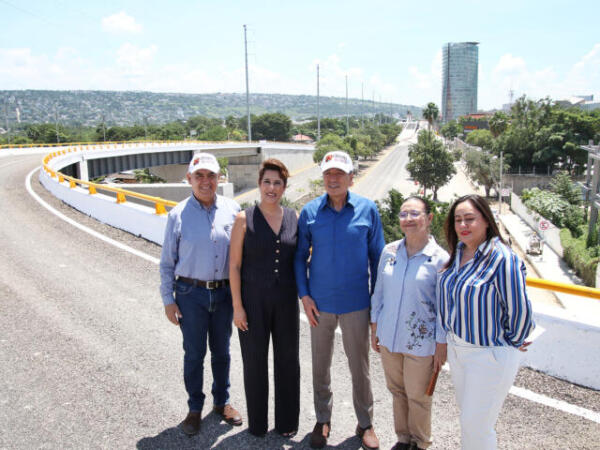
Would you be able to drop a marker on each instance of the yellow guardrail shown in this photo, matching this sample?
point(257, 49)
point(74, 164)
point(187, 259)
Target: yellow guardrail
point(572, 289)
point(160, 204)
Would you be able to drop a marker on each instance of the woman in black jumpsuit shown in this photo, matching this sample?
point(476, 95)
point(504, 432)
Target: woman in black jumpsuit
point(265, 302)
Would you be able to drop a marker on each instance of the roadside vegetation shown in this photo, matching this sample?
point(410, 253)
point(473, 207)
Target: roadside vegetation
point(562, 205)
point(364, 140)
point(390, 207)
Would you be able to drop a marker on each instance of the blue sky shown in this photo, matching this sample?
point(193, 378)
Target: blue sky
point(392, 48)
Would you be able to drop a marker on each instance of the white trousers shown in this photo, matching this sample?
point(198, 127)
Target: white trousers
point(482, 377)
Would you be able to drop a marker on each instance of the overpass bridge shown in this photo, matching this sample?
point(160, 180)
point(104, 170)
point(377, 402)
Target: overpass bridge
point(88, 356)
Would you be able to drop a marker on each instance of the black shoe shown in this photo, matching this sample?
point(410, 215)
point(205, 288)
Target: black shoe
point(401, 446)
point(257, 434)
point(414, 446)
point(191, 424)
point(288, 434)
point(318, 439)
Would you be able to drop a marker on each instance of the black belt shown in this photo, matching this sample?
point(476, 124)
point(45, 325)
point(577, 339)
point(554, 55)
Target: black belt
point(215, 284)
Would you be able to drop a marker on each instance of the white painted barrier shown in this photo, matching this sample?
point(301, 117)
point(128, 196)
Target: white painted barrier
point(567, 349)
point(136, 219)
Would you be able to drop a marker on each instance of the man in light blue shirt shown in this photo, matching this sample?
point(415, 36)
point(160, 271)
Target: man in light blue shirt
point(195, 287)
point(345, 232)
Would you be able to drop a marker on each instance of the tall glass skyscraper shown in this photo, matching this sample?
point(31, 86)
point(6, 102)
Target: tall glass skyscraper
point(459, 84)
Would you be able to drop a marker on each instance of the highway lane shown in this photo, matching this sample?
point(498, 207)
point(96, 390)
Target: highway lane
point(87, 359)
point(390, 173)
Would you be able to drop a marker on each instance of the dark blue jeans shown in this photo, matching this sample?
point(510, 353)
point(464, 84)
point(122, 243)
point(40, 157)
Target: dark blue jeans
point(205, 313)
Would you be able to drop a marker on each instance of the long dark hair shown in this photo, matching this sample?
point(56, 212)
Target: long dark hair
point(483, 207)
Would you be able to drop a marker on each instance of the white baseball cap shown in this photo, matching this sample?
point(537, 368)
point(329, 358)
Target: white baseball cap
point(339, 160)
point(204, 161)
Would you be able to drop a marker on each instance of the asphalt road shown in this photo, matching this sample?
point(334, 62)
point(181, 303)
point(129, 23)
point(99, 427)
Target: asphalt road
point(88, 360)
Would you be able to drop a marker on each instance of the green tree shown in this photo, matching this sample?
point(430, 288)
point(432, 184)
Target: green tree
point(271, 126)
point(429, 162)
point(564, 186)
point(483, 168)
point(389, 208)
point(46, 133)
point(451, 129)
point(216, 133)
point(144, 176)
point(498, 123)
point(430, 113)
point(330, 143)
point(481, 138)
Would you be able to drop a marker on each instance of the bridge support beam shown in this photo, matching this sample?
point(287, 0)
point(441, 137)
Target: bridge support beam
point(82, 170)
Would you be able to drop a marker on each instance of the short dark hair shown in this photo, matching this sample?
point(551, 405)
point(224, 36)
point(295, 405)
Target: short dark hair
point(276, 165)
point(483, 207)
point(426, 204)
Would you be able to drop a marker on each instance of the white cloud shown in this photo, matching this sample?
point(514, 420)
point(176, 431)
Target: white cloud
point(133, 60)
point(120, 22)
point(512, 73)
point(424, 86)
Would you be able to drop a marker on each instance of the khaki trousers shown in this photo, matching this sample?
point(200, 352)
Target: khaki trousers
point(355, 336)
point(407, 377)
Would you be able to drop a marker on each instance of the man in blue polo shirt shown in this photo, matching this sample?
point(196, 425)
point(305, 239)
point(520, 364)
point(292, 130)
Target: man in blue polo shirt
point(194, 287)
point(346, 236)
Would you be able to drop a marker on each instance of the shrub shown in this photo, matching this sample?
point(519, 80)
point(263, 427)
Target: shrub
point(580, 258)
point(555, 208)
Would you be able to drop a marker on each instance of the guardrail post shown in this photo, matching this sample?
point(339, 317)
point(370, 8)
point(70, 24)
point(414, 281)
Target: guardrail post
point(160, 209)
point(92, 189)
point(72, 184)
point(121, 197)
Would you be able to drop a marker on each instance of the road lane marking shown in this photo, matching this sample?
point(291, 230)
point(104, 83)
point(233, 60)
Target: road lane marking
point(515, 390)
point(83, 227)
point(556, 404)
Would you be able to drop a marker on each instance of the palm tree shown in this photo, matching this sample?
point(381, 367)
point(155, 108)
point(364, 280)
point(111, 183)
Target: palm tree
point(430, 113)
point(498, 123)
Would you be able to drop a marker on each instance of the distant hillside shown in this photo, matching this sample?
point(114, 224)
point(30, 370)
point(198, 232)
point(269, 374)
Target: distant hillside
point(131, 107)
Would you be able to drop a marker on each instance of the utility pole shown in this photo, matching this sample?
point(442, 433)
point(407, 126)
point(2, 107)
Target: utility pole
point(56, 123)
point(318, 109)
point(500, 189)
point(347, 127)
point(362, 105)
point(145, 128)
point(373, 103)
point(103, 128)
point(6, 119)
point(247, 87)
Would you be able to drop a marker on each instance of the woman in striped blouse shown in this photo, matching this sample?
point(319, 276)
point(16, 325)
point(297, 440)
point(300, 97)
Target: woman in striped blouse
point(483, 307)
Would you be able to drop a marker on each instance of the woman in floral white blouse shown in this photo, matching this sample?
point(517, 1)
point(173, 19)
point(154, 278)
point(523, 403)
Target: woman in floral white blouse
point(403, 322)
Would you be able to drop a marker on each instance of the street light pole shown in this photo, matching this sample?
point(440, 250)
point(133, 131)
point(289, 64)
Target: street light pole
point(6, 119)
point(318, 109)
point(347, 127)
point(56, 123)
point(500, 189)
point(247, 87)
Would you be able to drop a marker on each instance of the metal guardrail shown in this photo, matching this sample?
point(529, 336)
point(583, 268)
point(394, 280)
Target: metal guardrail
point(573, 289)
point(160, 204)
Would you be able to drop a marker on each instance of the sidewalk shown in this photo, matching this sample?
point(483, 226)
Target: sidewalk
point(551, 267)
point(568, 337)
